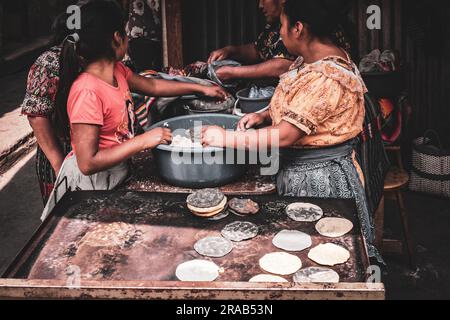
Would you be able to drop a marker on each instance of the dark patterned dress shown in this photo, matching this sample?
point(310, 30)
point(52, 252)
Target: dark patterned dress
point(42, 86)
point(270, 45)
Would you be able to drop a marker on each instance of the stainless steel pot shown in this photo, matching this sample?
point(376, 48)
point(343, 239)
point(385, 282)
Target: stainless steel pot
point(198, 167)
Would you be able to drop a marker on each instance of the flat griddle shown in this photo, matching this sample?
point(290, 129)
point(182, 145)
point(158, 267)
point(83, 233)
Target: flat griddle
point(133, 236)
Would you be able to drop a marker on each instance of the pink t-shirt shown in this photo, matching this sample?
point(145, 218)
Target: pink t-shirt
point(93, 101)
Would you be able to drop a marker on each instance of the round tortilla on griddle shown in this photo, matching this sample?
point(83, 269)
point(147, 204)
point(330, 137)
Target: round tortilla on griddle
point(334, 227)
point(205, 198)
point(329, 255)
point(280, 263)
point(240, 231)
point(292, 240)
point(213, 247)
point(267, 278)
point(197, 271)
point(304, 212)
point(316, 275)
point(243, 207)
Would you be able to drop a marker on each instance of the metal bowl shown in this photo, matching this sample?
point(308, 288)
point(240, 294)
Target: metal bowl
point(198, 167)
point(249, 105)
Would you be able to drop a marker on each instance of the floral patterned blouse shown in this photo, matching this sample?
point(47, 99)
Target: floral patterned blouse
point(42, 85)
point(324, 99)
point(144, 20)
point(270, 45)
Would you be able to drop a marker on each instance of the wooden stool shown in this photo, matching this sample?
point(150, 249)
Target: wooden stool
point(396, 180)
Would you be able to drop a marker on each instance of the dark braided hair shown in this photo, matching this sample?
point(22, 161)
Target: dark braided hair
point(100, 20)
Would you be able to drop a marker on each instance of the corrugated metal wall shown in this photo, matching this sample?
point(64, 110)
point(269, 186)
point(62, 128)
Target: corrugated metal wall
point(418, 30)
point(212, 24)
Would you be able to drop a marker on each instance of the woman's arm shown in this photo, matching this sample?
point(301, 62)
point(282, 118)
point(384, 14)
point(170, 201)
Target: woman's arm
point(273, 68)
point(246, 54)
point(254, 120)
point(282, 136)
point(47, 140)
point(91, 160)
point(165, 88)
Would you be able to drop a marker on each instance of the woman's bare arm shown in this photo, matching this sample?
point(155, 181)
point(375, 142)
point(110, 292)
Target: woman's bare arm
point(92, 160)
point(281, 136)
point(247, 54)
point(165, 88)
point(48, 141)
point(273, 68)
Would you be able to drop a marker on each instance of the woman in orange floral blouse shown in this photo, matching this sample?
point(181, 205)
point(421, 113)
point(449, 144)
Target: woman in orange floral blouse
point(317, 112)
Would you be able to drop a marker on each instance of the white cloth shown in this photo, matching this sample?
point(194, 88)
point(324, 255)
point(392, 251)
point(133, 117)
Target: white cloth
point(70, 178)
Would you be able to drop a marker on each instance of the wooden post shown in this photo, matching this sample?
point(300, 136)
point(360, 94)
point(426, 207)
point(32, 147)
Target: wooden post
point(172, 33)
point(1, 31)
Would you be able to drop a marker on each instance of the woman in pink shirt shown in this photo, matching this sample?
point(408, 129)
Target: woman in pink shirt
point(94, 105)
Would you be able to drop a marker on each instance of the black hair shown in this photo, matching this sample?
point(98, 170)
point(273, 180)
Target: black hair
point(100, 20)
point(325, 19)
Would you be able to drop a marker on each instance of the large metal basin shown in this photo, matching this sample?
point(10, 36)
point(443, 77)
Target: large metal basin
point(198, 167)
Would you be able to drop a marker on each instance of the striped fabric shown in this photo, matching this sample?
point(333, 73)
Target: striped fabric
point(372, 154)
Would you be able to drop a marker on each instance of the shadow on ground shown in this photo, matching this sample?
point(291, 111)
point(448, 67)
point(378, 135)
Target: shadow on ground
point(12, 92)
point(430, 223)
point(20, 210)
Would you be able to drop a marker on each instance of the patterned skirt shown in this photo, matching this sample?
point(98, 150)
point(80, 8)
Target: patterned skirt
point(327, 173)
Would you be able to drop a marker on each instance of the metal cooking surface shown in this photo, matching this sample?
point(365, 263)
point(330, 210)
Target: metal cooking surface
point(142, 236)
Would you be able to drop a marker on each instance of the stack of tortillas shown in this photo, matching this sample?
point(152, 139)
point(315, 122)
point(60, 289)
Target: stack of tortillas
point(207, 203)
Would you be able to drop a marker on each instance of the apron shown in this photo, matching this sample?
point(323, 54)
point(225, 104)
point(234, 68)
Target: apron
point(328, 173)
point(70, 178)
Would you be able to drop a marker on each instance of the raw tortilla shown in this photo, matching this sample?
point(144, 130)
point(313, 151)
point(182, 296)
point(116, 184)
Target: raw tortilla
point(267, 278)
point(292, 240)
point(304, 212)
point(334, 227)
point(243, 207)
point(240, 231)
point(316, 275)
point(197, 271)
point(214, 247)
point(281, 263)
point(329, 255)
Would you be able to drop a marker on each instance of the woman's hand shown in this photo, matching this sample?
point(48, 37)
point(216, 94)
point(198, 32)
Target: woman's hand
point(226, 73)
point(215, 91)
point(251, 120)
point(156, 137)
point(220, 54)
point(214, 136)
